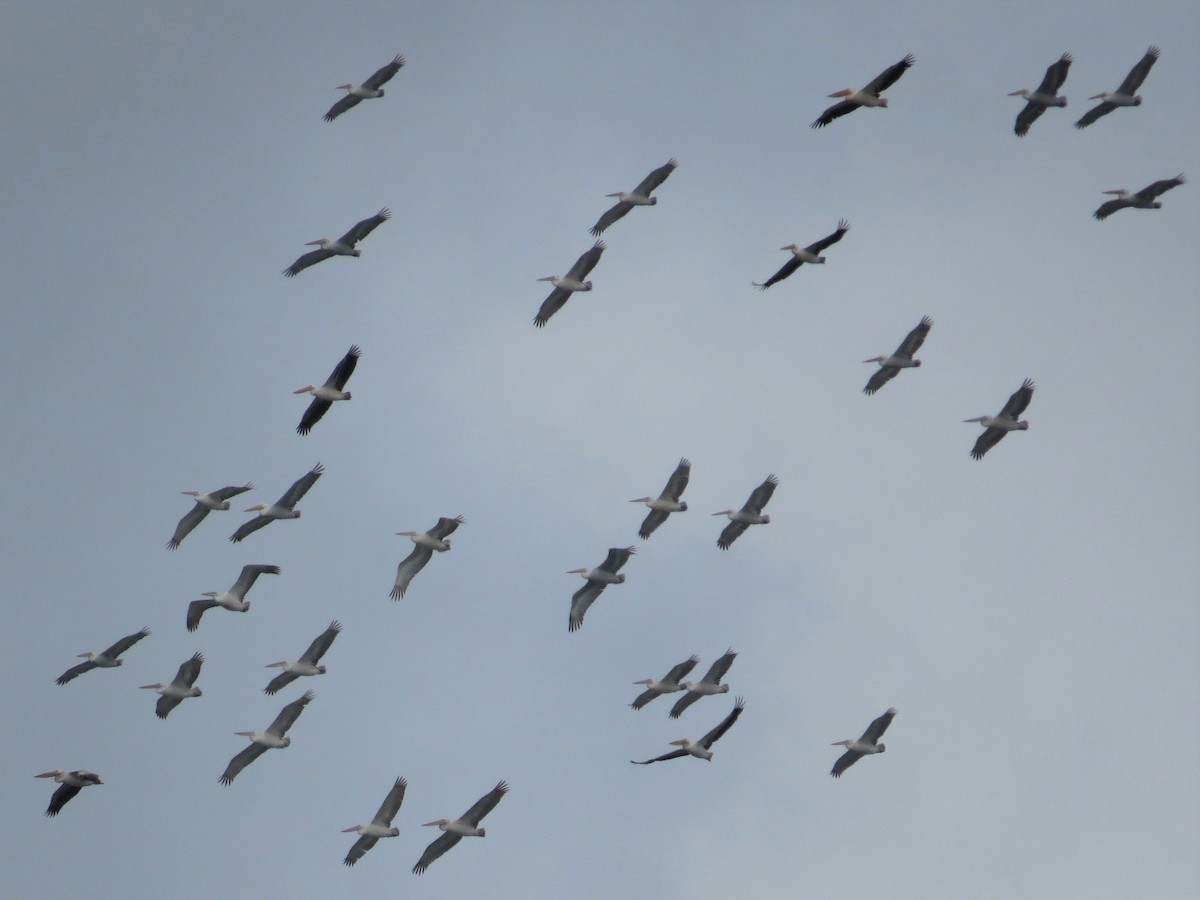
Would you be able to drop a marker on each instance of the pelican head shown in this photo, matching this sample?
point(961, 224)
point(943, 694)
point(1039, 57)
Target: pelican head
point(381, 94)
point(882, 747)
point(683, 506)
point(1060, 101)
point(1023, 425)
point(445, 541)
point(587, 286)
point(150, 687)
point(766, 520)
point(724, 689)
point(916, 364)
point(883, 103)
point(357, 252)
point(621, 578)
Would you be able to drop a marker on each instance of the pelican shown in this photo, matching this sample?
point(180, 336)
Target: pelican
point(1125, 95)
point(702, 749)
point(281, 508)
point(1008, 420)
point(105, 659)
point(868, 96)
point(380, 827)
point(1045, 95)
point(180, 687)
point(233, 599)
point(273, 739)
point(669, 685)
point(750, 514)
point(330, 391)
point(802, 255)
point(864, 746)
point(564, 287)
point(707, 686)
point(371, 89)
point(597, 580)
point(343, 246)
point(218, 499)
point(466, 825)
point(668, 501)
point(890, 366)
point(307, 664)
point(639, 196)
point(1143, 199)
point(436, 538)
point(70, 784)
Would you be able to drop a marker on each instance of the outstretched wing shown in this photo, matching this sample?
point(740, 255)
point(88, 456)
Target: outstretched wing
point(718, 669)
point(321, 643)
point(617, 557)
point(1109, 207)
point(612, 214)
point(301, 486)
point(312, 257)
point(384, 75)
point(784, 271)
point(485, 804)
point(715, 735)
point(196, 609)
point(674, 754)
point(190, 520)
point(125, 643)
point(279, 682)
point(445, 527)
point(315, 412)
point(889, 76)
point(249, 575)
point(1138, 73)
point(289, 714)
point(1099, 110)
point(586, 262)
point(1055, 75)
point(1160, 187)
point(986, 441)
point(845, 761)
point(915, 338)
point(348, 102)
point(359, 849)
point(880, 378)
point(876, 729)
point(653, 519)
point(344, 369)
point(410, 566)
point(683, 703)
point(1019, 400)
point(836, 111)
point(552, 304)
point(60, 797)
point(75, 671)
point(731, 533)
point(248, 755)
point(655, 178)
point(761, 496)
point(818, 246)
point(1025, 118)
point(365, 227)
point(391, 803)
point(447, 840)
point(581, 601)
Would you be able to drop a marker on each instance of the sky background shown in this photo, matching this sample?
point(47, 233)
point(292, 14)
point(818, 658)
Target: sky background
point(1033, 616)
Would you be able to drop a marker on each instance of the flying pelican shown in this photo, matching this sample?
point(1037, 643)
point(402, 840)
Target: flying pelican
point(864, 746)
point(669, 685)
point(802, 255)
point(105, 659)
point(466, 825)
point(597, 580)
point(380, 827)
point(1143, 199)
point(564, 287)
point(868, 96)
point(1008, 420)
point(436, 538)
point(307, 664)
point(281, 508)
point(218, 499)
point(343, 246)
point(180, 687)
point(1125, 95)
point(707, 686)
point(371, 88)
point(639, 196)
point(233, 599)
point(750, 514)
point(668, 501)
point(702, 749)
point(274, 738)
point(1045, 95)
point(71, 783)
point(890, 366)
point(331, 390)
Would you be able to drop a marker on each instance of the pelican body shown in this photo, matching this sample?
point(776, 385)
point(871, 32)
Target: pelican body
point(233, 599)
point(1143, 199)
point(327, 394)
point(70, 784)
point(1045, 96)
point(801, 255)
point(670, 684)
point(866, 745)
point(274, 738)
point(307, 664)
point(371, 89)
point(668, 501)
point(379, 827)
point(205, 503)
point(890, 366)
point(283, 508)
point(105, 659)
point(708, 686)
point(1008, 420)
point(597, 580)
point(701, 749)
point(868, 96)
point(750, 514)
point(465, 826)
point(639, 196)
point(343, 246)
point(1125, 95)
point(574, 280)
point(180, 688)
point(436, 538)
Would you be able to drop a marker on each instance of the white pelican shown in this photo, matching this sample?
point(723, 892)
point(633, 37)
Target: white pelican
point(567, 285)
point(70, 784)
point(1125, 95)
point(370, 89)
point(639, 196)
point(1143, 199)
point(380, 827)
point(1008, 420)
point(868, 96)
point(750, 514)
point(597, 580)
point(307, 664)
point(702, 749)
point(802, 255)
point(218, 499)
point(105, 659)
point(343, 246)
point(436, 538)
point(283, 508)
point(1045, 95)
point(668, 501)
point(180, 687)
point(890, 366)
point(864, 746)
point(330, 391)
point(233, 599)
point(669, 685)
point(273, 739)
point(707, 686)
point(467, 825)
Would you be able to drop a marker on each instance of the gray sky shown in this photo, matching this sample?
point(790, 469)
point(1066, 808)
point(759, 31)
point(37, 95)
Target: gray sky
point(1032, 616)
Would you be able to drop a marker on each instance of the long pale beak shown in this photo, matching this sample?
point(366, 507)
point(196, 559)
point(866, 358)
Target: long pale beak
point(154, 686)
point(436, 822)
point(1118, 191)
point(723, 512)
point(313, 243)
point(576, 571)
point(244, 733)
point(351, 828)
point(47, 774)
point(845, 743)
point(617, 194)
point(640, 500)
point(278, 665)
point(645, 681)
point(1097, 97)
point(788, 247)
point(679, 743)
point(976, 419)
point(255, 508)
point(405, 533)
point(191, 493)
point(844, 92)
point(304, 390)
point(1016, 93)
point(874, 359)
point(548, 278)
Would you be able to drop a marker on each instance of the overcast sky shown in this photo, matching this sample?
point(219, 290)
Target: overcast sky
point(1032, 616)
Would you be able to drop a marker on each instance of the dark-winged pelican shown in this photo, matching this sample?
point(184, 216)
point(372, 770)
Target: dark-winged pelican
point(233, 599)
point(343, 246)
point(70, 784)
point(702, 749)
point(1045, 95)
point(467, 825)
point(639, 196)
point(307, 664)
point(597, 580)
point(1125, 95)
point(1009, 419)
point(750, 514)
point(331, 390)
point(670, 683)
point(707, 686)
point(864, 746)
point(380, 826)
point(868, 96)
point(218, 499)
point(274, 738)
point(283, 508)
point(567, 285)
point(180, 688)
point(1143, 199)
point(668, 501)
point(890, 366)
point(802, 255)
point(370, 89)
point(105, 659)
point(436, 538)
